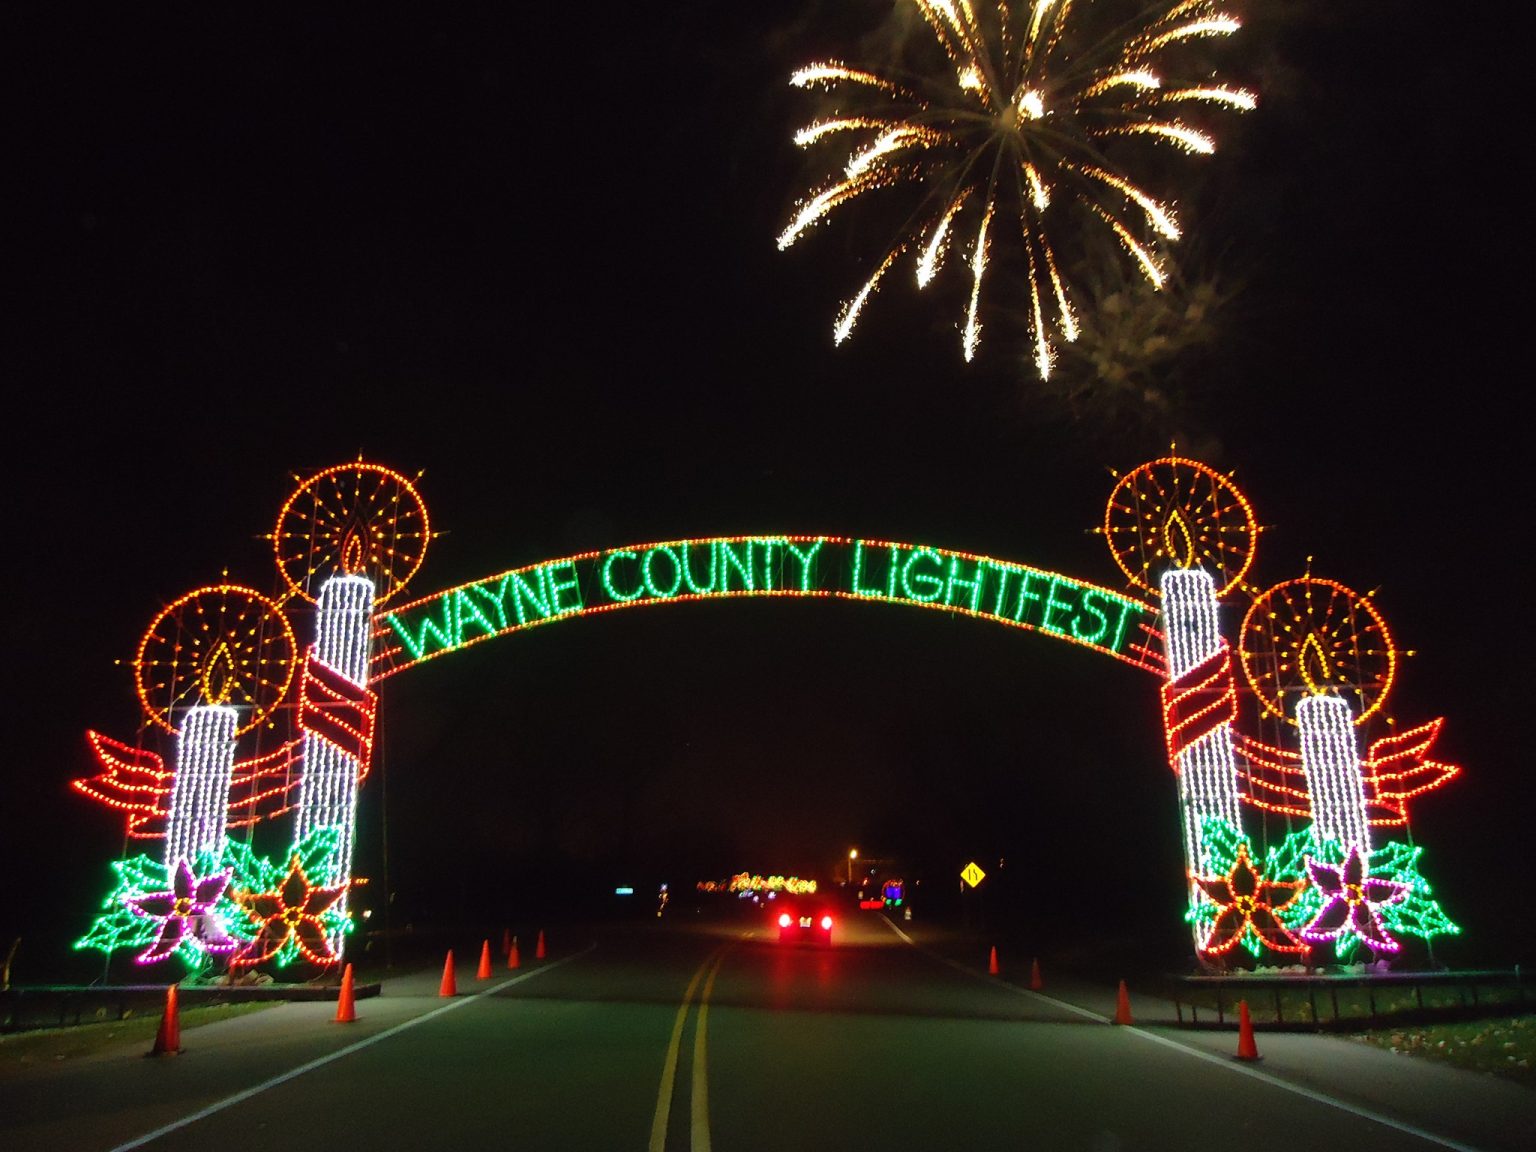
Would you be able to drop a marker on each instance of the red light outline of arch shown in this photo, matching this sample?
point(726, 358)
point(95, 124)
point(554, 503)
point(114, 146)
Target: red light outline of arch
point(389, 658)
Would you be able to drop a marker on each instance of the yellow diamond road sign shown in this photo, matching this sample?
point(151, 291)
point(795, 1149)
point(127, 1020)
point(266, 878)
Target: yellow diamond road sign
point(973, 875)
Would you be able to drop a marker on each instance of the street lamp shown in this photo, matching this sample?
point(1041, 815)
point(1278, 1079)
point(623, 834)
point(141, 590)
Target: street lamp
point(853, 854)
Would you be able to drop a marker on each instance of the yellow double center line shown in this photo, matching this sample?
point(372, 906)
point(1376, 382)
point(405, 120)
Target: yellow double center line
point(699, 1096)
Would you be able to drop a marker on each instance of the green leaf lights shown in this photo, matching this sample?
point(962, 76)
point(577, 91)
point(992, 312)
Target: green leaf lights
point(214, 905)
point(1373, 900)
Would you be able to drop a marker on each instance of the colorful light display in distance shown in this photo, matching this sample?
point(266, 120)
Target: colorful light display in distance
point(750, 882)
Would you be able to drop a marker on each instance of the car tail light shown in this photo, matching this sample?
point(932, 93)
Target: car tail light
point(785, 921)
point(826, 922)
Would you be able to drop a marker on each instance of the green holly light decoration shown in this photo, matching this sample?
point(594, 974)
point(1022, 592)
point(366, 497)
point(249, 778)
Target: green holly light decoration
point(140, 879)
point(1414, 913)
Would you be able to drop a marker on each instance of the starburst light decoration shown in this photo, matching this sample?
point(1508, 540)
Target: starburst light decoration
point(1030, 125)
point(222, 645)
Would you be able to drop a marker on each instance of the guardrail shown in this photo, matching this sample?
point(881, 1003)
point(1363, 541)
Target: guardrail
point(67, 1005)
point(1370, 998)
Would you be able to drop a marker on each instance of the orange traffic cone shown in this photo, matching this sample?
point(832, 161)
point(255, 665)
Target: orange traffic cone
point(449, 986)
point(506, 941)
point(513, 959)
point(1035, 983)
point(992, 962)
point(484, 971)
point(538, 952)
point(168, 1038)
point(1123, 1006)
point(1246, 1048)
point(345, 1012)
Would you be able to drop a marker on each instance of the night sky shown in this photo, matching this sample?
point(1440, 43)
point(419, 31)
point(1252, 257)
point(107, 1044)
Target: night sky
point(531, 255)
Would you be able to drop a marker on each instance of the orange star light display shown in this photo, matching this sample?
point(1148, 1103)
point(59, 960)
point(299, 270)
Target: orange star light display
point(359, 519)
point(1309, 637)
point(1177, 513)
point(222, 644)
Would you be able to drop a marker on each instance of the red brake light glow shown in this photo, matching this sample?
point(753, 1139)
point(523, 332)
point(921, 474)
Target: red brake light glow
point(826, 922)
point(785, 921)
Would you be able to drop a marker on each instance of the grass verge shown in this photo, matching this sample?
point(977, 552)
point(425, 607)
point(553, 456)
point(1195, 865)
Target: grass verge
point(1505, 1048)
point(21, 1051)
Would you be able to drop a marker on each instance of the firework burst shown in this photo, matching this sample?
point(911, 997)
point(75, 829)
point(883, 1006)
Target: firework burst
point(1017, 126)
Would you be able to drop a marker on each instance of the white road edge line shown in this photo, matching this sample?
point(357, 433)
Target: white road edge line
point(321, 1061)
point(973, 974)
point(1199, 1054)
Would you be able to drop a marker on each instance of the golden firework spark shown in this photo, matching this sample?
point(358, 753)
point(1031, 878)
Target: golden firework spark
point(1018, 122)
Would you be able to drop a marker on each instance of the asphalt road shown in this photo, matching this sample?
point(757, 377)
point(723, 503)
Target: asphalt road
point(700, 1036)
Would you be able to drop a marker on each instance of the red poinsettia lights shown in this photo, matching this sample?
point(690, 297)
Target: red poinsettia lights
point(293, 912)
point(1353, 900)
point(1247, 904)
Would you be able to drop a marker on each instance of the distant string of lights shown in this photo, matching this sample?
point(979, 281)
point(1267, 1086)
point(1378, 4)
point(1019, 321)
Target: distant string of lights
point(750, 882)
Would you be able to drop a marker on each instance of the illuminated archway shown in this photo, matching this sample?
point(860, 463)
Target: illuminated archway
point(220, 664)
point(721, 567)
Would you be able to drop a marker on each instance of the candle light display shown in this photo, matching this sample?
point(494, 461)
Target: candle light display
point(359, 519)
point(223, 644)
point(199, 805)
point(1308, 637)
point(1175, 526)
point(361, 532)
point(1310, 641)
point(1332, 766)
point(1205, 765)
point(336, 712)
point(220, 664)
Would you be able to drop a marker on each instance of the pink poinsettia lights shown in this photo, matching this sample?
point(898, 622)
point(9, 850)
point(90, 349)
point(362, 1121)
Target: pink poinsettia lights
point(185, 911)
point(1352, 903)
